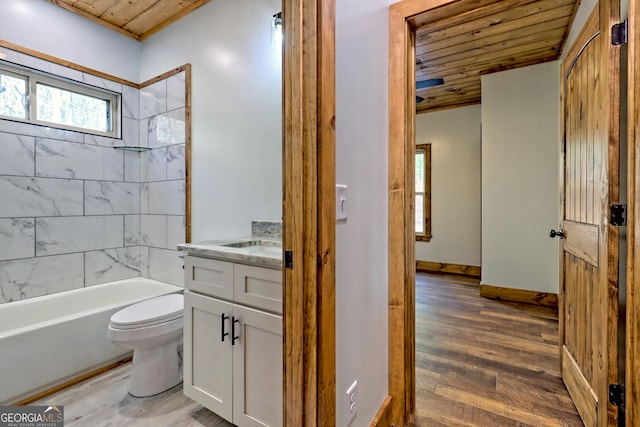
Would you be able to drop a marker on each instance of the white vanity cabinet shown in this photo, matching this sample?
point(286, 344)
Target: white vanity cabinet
point(233, 352)
point(249, 285)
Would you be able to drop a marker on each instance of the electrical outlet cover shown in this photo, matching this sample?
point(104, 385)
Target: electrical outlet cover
point(352, 401)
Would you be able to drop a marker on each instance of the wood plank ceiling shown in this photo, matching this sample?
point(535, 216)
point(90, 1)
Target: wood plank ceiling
point(134, 18)
point(488, 36)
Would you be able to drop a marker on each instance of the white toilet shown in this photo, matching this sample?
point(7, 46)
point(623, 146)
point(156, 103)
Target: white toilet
point(153, 329)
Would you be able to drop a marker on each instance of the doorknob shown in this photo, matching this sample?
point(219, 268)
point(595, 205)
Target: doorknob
point(559, 233)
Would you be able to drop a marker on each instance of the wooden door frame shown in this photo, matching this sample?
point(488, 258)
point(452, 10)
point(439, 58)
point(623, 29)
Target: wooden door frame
point(402, 265)
point(309, 212)
point(632, 376)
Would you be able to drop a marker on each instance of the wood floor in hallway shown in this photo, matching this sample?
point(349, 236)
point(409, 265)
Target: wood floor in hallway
point(481, 362)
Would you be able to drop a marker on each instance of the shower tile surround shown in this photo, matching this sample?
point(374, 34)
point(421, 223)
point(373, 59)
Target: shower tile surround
point(76, 212)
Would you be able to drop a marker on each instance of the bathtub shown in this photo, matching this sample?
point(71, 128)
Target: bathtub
point(49, 340)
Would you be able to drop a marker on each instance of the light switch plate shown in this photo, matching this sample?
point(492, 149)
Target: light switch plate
point(341, 202)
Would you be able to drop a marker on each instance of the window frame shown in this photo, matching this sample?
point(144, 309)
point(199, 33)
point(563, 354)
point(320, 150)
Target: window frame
point(33, 78)
point(426, 235)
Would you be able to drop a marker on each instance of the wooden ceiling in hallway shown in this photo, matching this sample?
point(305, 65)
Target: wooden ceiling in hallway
point(488, 36)
point(134, 18)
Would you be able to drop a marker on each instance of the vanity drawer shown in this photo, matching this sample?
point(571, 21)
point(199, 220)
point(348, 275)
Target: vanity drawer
point(209, 276)
point(258, 287)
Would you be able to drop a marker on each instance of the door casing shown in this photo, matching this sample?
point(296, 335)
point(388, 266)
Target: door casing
point(309, 212)
point(632, 372)
point(401, 254)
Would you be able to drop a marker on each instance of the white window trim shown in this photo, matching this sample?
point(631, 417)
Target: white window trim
point(34, 77)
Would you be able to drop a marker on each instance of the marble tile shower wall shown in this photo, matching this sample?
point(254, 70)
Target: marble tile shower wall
point(76, 212)
point(162, 178)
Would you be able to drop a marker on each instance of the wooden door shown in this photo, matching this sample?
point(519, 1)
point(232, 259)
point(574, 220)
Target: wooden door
point(208, 356)
point(589, 288)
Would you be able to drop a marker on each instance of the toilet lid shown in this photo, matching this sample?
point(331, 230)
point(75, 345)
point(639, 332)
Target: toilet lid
point(149, 312)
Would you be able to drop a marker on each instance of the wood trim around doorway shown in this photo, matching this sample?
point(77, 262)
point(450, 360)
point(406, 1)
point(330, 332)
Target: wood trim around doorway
point(401, 242)
point(632, 376)
point(309, 395)
point(401, 210)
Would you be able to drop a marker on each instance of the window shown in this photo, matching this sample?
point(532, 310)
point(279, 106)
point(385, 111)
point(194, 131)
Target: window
point(36, 98)
point(13, 95)
point(423, 192)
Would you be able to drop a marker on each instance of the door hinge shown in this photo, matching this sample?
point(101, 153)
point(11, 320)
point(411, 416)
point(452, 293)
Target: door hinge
point(288, 259)
point(616, 395)
point(618, 215)
point(619, 33)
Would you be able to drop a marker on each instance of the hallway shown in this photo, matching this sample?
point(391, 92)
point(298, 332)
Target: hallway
point(481, 362)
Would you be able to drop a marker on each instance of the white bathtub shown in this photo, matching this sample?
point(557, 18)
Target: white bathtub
point(46, 341)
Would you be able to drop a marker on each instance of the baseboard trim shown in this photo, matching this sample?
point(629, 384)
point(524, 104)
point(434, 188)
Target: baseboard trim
point(443, 267)
point(519, 295)
point(383, 417)
point(72, 382)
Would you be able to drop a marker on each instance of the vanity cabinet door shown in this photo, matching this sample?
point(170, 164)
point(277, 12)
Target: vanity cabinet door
point(257, 369)
point(208, 354)
point(209, 276)
point(258, 287)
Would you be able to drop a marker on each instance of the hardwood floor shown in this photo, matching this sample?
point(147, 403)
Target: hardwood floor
point(104, 401)
point(481, 362)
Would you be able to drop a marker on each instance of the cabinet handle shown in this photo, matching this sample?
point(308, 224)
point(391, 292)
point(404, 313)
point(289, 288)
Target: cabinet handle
point(222, 332)
point(234, 338)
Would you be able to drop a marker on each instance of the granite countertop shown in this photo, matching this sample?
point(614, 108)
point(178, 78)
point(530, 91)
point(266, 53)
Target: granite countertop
point(258, 251)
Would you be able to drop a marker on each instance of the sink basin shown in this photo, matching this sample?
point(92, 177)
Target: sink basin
point(253, 243)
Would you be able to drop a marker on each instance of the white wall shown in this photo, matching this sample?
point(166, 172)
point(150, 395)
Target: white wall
point(361, 163)
point(455, 138)
point(47, 28)
point(236, 106)
point(520, 193)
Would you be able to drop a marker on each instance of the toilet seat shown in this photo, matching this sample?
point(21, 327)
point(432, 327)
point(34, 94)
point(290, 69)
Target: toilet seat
point(150, 312)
